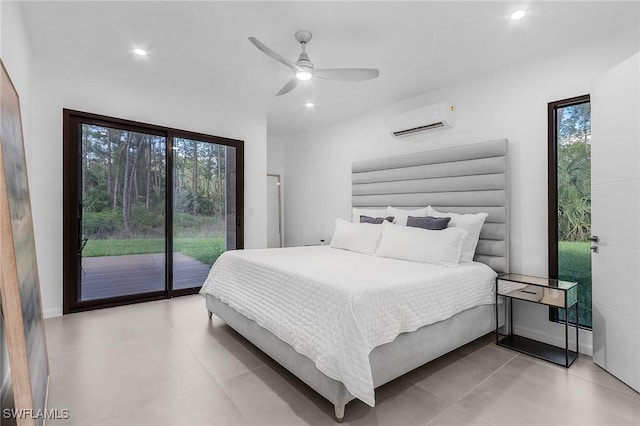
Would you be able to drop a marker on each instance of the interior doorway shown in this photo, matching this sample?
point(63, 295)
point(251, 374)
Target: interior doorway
point(274, 212)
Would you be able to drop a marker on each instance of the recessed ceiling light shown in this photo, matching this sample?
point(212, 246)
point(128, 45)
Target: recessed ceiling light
point(518, 14)
point(140, 52)
point(309, 104)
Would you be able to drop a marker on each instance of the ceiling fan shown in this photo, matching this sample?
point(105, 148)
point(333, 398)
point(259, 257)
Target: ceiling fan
point(303, 68)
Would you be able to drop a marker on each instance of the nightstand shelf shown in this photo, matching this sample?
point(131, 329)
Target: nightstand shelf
point(545, 291)
point(538, 349)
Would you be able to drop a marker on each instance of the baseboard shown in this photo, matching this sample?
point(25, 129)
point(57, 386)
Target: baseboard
point(586, 341)
point(52, 312)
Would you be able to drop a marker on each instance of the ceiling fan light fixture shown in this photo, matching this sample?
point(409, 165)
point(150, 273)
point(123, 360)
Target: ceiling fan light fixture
point(518, 14)
point(303, 75)
point(304, 70)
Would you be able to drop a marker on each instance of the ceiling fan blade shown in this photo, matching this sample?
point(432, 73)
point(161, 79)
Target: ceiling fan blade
point(264, 49)
point(291, 84)
point(347, 74)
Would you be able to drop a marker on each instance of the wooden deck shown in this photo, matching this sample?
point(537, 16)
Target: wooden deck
point(111, 276)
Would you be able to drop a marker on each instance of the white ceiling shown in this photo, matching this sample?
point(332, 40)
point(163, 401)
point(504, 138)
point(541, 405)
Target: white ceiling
point(418, 46)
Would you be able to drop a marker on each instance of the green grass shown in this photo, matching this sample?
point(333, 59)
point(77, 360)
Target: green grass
point(206, 250)
point(107, 224)
point(574, 264)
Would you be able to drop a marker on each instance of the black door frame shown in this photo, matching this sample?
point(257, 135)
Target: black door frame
point(72, 208)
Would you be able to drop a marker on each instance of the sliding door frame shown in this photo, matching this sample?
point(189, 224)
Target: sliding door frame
point(72, 207)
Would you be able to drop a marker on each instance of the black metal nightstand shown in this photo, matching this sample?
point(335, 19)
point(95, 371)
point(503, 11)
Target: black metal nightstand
point(545, 291)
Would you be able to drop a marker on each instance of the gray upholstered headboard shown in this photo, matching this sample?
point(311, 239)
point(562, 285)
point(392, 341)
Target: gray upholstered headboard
point(462, 179)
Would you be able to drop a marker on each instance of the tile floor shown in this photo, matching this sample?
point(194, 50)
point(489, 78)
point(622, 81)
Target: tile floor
point(164, 363)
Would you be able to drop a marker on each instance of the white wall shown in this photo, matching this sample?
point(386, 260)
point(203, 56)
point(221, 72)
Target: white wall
point(510, 103)
point(15, 52)
point(57, 86)
point(275, 155)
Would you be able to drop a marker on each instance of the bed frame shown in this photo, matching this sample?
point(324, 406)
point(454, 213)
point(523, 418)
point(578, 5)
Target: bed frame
point(462, 179)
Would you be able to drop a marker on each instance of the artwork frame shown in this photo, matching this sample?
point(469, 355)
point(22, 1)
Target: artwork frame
point(19, 284)
point(6, 385)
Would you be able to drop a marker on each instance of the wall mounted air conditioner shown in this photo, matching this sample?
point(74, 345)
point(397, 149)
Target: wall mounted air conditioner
point(432, 117)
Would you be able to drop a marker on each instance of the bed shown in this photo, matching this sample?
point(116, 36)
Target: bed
point(463, 179)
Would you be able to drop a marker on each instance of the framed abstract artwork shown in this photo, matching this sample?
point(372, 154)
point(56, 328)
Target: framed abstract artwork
point(23, 323)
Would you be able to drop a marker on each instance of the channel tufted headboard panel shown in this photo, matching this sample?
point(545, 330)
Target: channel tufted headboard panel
point(462, 179)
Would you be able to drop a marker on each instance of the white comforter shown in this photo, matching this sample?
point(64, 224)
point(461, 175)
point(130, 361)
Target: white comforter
point(335, 306)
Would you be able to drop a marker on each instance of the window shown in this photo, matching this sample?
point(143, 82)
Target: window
point(569, 132)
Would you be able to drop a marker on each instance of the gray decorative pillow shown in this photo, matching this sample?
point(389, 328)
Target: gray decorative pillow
point(375, 220)
point(428, 222)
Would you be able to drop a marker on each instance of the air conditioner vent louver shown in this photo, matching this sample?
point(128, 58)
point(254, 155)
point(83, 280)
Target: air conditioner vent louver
point(432, 126)
point(417, 121)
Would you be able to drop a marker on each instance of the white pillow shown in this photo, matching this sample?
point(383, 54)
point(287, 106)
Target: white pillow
point(367, 211)
point(472, 223)
point(401, 215)
point(441, 247)
point(358, 237)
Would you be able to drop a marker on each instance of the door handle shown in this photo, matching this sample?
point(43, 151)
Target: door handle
point(79, 225)
point(594, 239)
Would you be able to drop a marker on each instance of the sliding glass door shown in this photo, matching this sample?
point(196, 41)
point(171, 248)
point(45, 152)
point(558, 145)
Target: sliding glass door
point(135, 193)
point(204, 176)
point(123, 198)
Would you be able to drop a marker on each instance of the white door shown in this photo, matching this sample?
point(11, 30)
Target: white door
point(615, 209)
point(273, 211)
